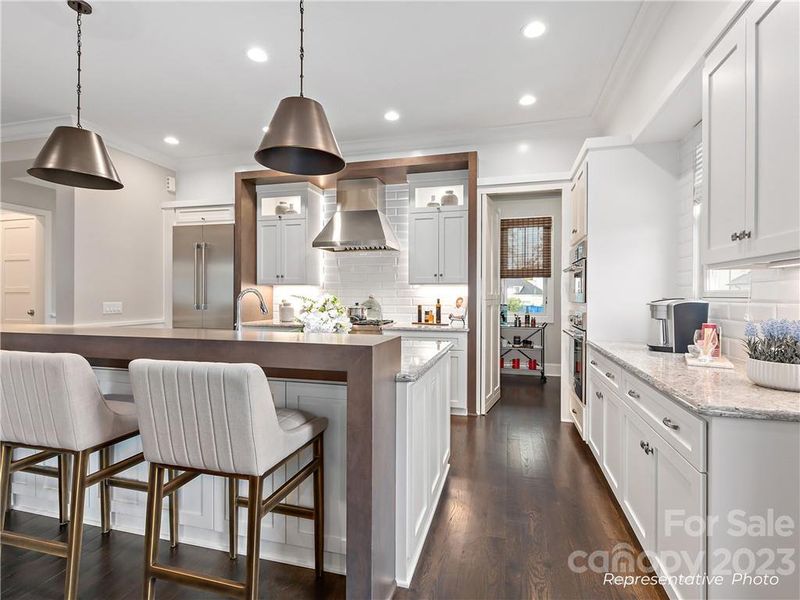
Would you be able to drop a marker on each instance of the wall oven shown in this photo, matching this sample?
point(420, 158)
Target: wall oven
point(577, 347)
point(576, 272)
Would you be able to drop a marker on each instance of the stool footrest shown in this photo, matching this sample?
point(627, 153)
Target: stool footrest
point(29, 542)
point(289, 510)
point(197, 579)
point(22, 463)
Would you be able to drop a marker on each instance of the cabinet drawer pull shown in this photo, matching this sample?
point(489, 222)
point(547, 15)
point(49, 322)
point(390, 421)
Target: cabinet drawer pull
point(609, 374)
point(574, 231)
point(593, 363)
point(646, 447)
point(574, 412)
point(633, 394)
point(735, 237)
point(599, 395)
point(668, 423)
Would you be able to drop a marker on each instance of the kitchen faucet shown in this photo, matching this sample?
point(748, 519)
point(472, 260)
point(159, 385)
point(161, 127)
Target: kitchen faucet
point(237, 324)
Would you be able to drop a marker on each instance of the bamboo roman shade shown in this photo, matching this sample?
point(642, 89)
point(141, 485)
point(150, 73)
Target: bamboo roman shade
point(525, 247)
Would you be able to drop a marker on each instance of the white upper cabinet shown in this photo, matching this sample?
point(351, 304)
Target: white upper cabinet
point(437, 246)
point(751, 116)
point(289, 218)
point(773, 125)
point(578, 203)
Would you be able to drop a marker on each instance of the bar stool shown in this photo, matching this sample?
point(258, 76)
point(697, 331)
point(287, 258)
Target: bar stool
point(52, 403)
point(220, 419)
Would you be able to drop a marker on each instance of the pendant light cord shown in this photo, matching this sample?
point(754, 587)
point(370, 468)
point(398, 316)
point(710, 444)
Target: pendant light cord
point(302, 50)
point(78, 87)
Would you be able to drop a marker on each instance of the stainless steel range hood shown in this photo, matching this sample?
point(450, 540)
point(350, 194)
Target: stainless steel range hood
point(359, 223)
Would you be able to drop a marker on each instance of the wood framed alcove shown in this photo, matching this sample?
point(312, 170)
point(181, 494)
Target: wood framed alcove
point(388, 170)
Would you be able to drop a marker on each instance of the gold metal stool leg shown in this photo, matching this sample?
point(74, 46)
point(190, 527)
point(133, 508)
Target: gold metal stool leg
point(105, 493)
point(319, 509)
point(173, 512)
point(255, 488)
point(155, 494)
point(233, 518)
point(5, 482)
point(63, 488)
point(77, 495)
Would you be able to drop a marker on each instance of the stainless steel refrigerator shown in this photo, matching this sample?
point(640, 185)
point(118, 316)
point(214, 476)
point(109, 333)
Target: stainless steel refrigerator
point(202, 276)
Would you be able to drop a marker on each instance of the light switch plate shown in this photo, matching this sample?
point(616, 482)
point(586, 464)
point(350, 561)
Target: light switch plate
point(112, 308)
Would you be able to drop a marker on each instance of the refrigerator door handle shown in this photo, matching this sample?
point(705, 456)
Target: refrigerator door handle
point(203, 290)
point(194, 295)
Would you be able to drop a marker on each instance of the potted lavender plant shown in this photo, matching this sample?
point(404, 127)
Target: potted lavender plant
point(774, 353)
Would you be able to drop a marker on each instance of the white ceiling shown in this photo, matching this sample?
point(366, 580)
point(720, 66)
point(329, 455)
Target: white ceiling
point(153, 69)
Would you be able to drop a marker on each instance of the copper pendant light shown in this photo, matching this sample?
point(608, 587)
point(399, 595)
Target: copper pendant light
point(75, 156)
point(299, 139)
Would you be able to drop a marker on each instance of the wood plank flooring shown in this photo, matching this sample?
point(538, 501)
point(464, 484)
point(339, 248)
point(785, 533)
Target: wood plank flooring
point(523, 493)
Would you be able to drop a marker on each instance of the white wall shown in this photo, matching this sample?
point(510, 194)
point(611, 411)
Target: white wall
point(520, 206)
point(684, 36)
point(108, 244)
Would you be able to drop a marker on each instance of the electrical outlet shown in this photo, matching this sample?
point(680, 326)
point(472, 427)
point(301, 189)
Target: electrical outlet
point(112, 308)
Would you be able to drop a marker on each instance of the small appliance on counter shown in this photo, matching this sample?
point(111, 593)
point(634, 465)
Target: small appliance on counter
point(673, 323)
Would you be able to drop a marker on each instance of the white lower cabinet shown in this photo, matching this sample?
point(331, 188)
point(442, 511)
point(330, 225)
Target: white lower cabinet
point(423, 461)
point(661, 493)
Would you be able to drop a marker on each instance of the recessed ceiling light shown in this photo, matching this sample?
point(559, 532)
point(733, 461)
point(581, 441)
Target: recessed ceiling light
point(534, 29)
point(523, 147)
point(391, 115)
point(172, 140)
point(265, 128)
point(527, 100)
point(257, 55)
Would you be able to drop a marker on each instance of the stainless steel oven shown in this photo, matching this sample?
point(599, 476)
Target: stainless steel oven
point(577, 346)
point(576, 272)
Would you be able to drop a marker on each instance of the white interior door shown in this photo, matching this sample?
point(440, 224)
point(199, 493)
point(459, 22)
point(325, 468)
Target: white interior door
point(22, 256)
point(490, 349)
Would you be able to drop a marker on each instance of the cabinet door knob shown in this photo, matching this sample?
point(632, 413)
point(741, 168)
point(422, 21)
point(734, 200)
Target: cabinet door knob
point(574, 412)
point(609, 374)
point(668, 423)
point(441, 274)
point(599, 395)
point(593, 362)
point(646, 447)
point(633, 394)
point(744, 234)
point(734, 236)
point(574, 231)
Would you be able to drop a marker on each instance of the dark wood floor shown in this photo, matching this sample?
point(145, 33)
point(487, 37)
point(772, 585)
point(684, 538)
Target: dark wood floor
point(523, 493)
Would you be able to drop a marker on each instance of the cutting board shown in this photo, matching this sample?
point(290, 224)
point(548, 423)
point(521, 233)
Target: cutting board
point(719, 362)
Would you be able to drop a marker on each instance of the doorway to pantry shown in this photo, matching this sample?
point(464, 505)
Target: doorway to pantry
point(521, 268)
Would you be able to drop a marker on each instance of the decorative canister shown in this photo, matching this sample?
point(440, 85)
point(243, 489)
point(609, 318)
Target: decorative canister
point(449, 199)
point(778, 376)
point(285, 312)
point(291, 210)
point(532, 365)
point(434, 203)
point(515, 363)
point(282, 207)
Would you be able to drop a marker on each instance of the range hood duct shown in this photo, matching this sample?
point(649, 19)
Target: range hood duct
point(359, 223)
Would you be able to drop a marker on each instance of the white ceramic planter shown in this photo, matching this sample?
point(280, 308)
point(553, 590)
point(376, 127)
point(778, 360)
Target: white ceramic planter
point(778, 376)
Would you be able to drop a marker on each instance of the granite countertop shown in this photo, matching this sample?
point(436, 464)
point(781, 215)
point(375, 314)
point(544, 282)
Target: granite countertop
point(703, 390)
point(418, 356)
point(413, 327)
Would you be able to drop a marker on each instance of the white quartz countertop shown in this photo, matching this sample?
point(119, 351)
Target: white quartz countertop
point(271, 323)
point(412, 327)
point(418, 356)
point(703, 390)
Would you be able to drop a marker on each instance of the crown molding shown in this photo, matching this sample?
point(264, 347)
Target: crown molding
point(41, 128)
point(648, 20)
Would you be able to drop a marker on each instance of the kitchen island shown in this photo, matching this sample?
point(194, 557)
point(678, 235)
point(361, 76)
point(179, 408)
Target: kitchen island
point(364, 367)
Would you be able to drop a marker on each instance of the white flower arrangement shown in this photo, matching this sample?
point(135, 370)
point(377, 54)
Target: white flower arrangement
point(325, 314)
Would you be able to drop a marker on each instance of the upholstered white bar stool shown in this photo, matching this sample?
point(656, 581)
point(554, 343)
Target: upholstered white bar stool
point(220, 419)
point(52, 403)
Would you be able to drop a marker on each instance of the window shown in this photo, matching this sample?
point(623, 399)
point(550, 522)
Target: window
point(525, 247)
point(526, 265)
point(529, 296)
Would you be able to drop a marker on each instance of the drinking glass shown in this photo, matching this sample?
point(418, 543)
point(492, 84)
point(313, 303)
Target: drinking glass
point(706, 341)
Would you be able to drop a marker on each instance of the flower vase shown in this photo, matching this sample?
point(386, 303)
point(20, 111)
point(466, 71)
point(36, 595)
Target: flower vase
point(778, 376)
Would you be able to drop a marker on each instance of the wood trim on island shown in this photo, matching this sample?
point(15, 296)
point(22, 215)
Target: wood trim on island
point(369, 365)
point(390, 171)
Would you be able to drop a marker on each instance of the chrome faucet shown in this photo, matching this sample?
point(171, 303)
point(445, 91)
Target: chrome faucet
point(237, 324)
